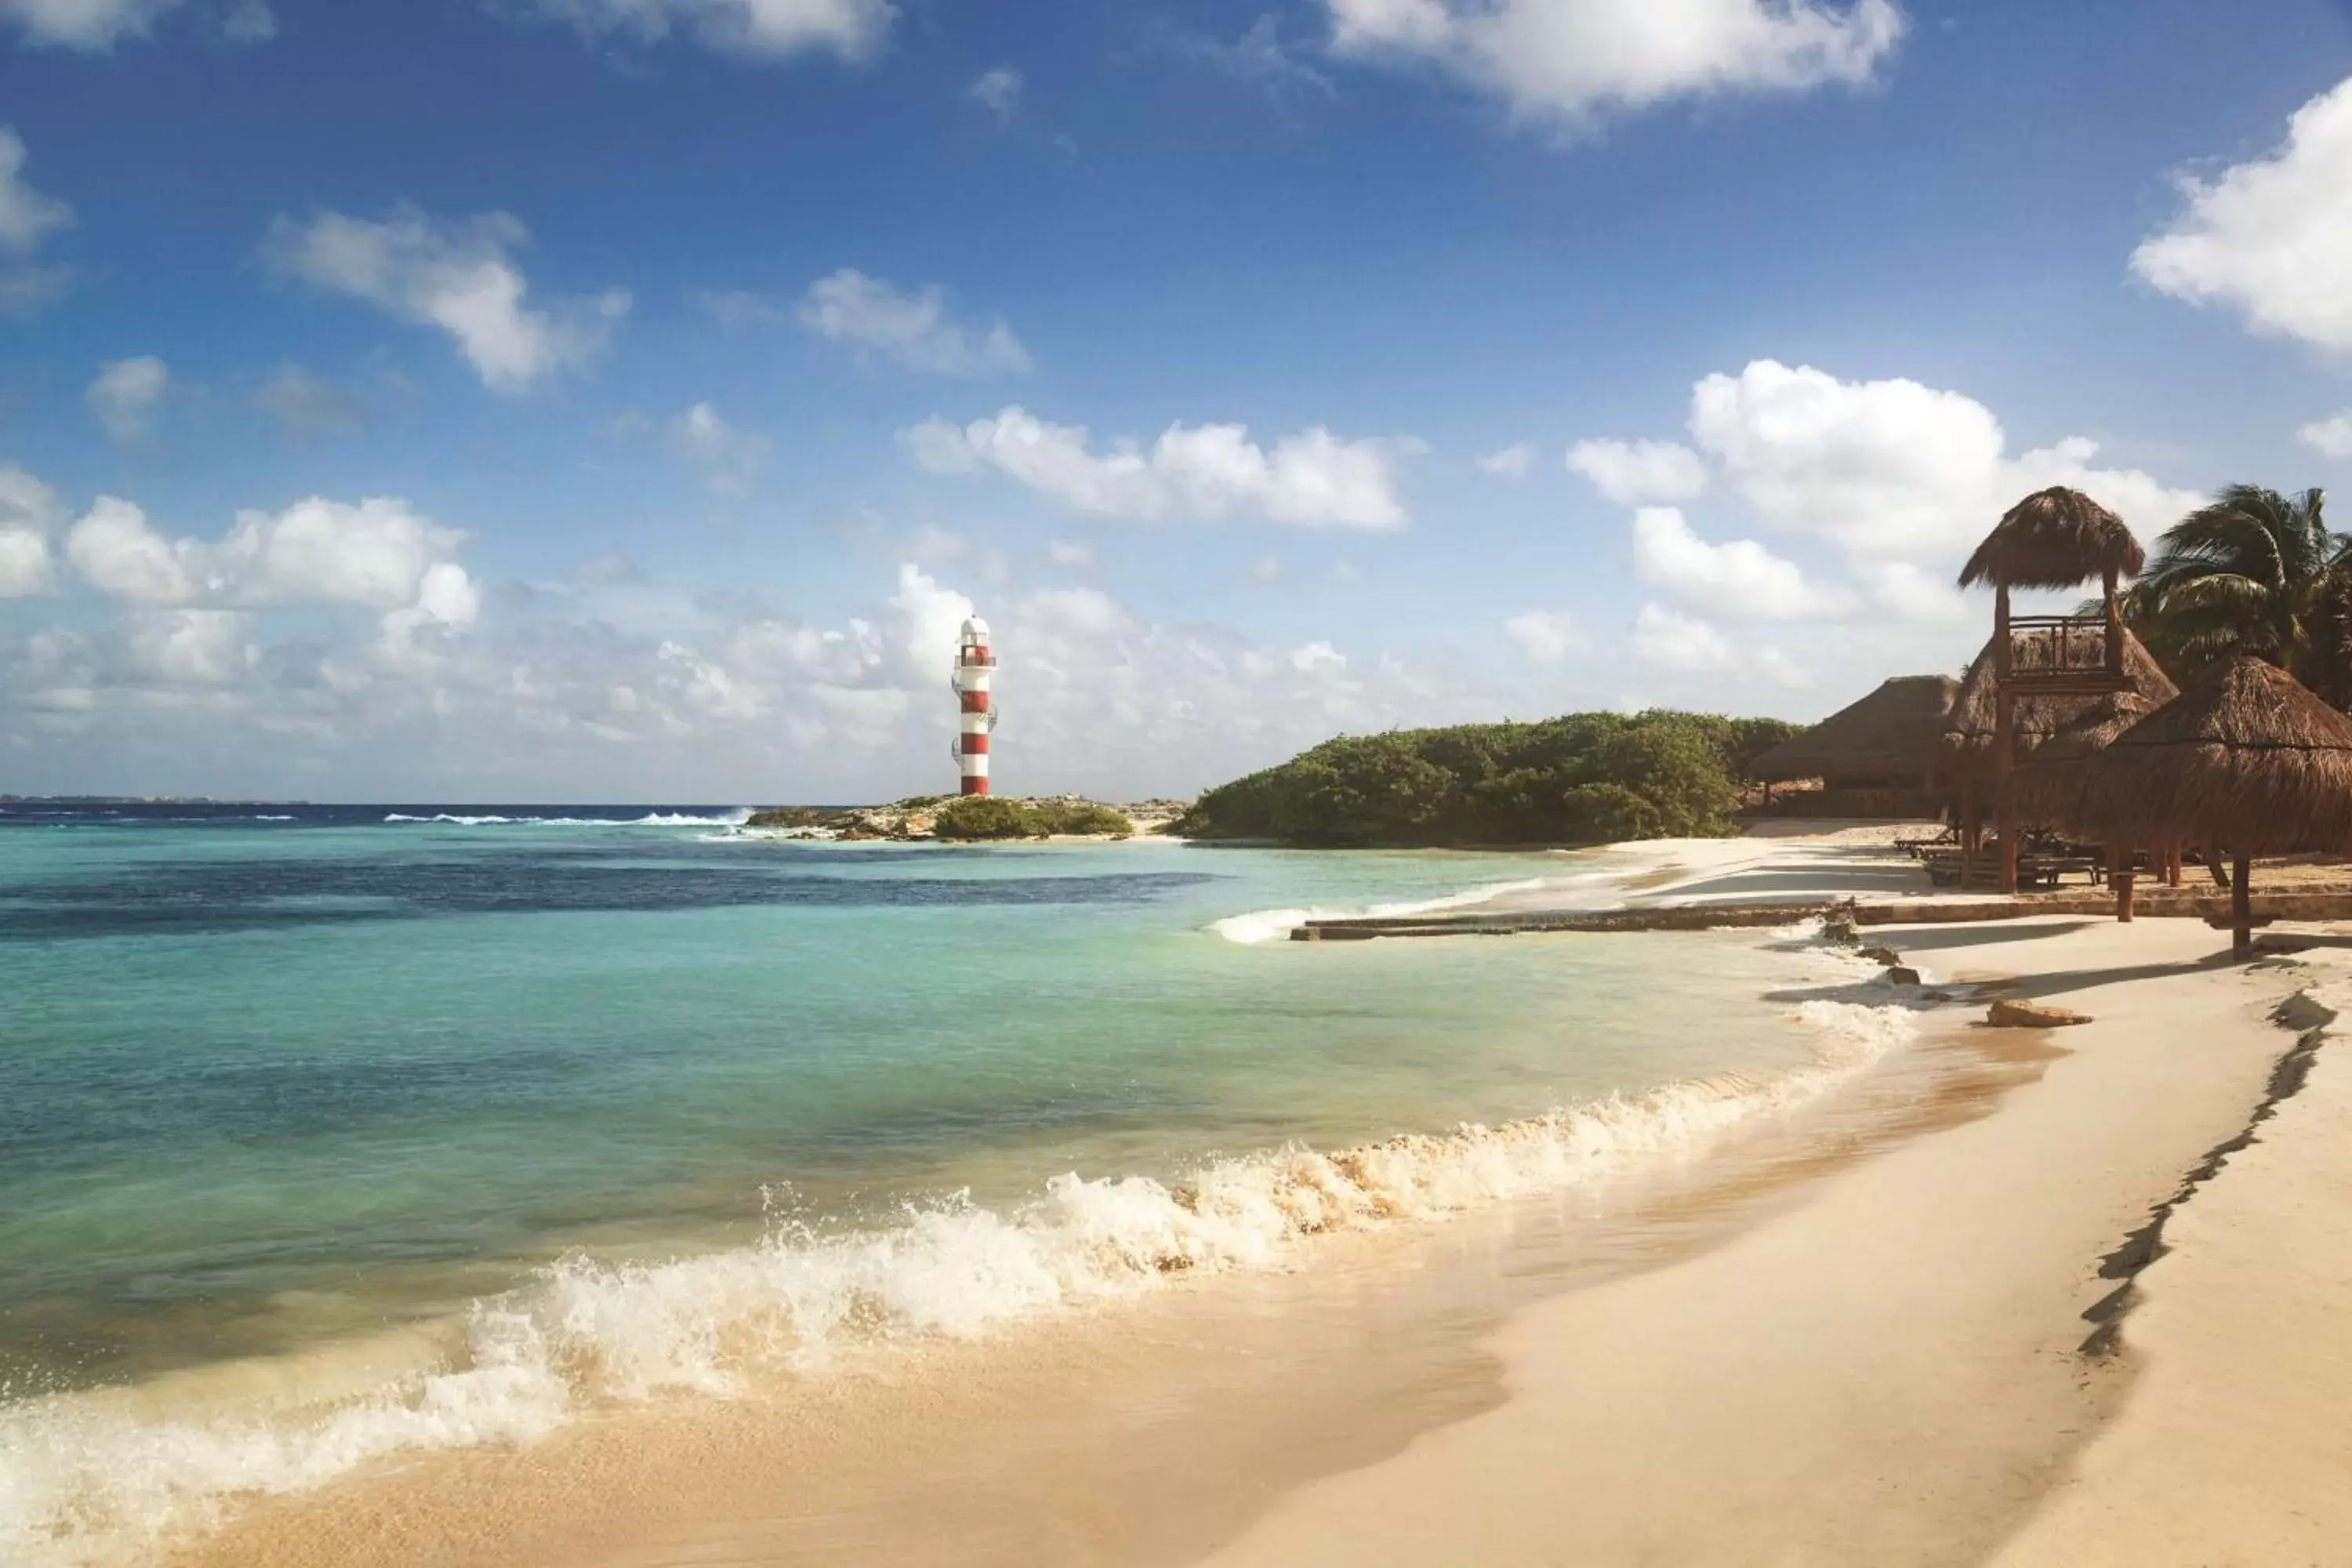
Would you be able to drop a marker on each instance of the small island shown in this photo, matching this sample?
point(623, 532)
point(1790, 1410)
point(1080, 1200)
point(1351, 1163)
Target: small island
point(966, 819)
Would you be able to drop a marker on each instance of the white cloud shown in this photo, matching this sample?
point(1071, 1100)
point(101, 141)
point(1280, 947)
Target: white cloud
point(1892, 470)
point(27, 217)
point(769, 29)
point(2330, 437)
point(1547, 636)
point(736, 307)
point(911, 329)
point(457, 277)
point(1572, 60)
point(28, 511)
point(24, 563)
point(115, 550)
point(998, 90)
point(124, 396)
point(1631, 472)
point(94, 25)
point(2272, 237)
point(190, 647)
point(1911, 592)
point(1679, 642)
point(1312, 479)
point(1511, 462)
point(305, 406)
point(377, 555)
point(731, 459)
point(1076, 555)
point(1738, 579)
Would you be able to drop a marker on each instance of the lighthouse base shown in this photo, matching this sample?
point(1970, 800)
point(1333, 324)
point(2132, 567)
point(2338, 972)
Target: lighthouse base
point(974, 786)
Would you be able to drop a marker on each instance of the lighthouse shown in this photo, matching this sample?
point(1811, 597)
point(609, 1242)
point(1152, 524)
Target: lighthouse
point(974, 667)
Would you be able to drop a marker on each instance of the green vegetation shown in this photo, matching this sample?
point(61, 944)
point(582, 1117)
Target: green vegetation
point(1586, 778)
point(998, 816)
point(2254, 572)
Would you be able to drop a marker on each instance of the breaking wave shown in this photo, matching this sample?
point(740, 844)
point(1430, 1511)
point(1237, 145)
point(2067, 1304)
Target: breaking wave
point(81, 1482)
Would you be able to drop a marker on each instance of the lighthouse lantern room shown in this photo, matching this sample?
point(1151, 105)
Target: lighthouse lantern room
point(975, 664)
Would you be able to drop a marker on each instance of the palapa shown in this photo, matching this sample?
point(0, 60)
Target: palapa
point(1891, 734)
point(2050, 785)
point(2246, 762)
point(1971, 731)
point(2057, 538)
point(2247, 759)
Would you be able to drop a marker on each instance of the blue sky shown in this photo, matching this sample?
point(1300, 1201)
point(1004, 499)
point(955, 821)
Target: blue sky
point(475, 399)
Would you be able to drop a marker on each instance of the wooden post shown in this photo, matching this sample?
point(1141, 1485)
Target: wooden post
point(1967, 828)
point(2119, 874)
point(2004, 746)
point(2172, 866)
point(2115, 628)
point(2242, 912)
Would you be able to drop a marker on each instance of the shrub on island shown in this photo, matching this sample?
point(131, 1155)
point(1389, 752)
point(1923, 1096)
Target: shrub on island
point(1584, 778)
point(991, 816)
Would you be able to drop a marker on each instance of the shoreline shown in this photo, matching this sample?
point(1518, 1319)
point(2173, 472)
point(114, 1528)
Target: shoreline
point(1460, 1365)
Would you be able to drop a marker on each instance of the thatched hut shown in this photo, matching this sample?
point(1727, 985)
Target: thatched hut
point(2049, 787)
point(2056, 538)
point(1971, 731)
point(1877, 757)
point(2246, 762)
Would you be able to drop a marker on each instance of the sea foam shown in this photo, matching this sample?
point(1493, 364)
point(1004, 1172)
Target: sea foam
point(83, 1484)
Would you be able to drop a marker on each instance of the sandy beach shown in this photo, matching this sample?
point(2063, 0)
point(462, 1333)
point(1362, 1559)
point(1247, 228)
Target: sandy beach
point(2012, 1296)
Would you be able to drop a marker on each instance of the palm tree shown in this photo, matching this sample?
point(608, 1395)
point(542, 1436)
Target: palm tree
point(2253, 573)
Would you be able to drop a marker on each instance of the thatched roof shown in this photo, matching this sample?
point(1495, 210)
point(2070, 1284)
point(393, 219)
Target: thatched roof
point(2056, 538)
point(2246, 760)
point(1890, 733)
point(2048, 787)
point(1968, 731)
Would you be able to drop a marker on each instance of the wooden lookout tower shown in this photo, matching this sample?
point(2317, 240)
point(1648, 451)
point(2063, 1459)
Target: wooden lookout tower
point(2053, 539)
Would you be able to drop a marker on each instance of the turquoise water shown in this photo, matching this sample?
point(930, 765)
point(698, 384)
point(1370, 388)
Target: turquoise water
point(269, 1085)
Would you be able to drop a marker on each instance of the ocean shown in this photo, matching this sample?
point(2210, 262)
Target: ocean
point(331, 1134)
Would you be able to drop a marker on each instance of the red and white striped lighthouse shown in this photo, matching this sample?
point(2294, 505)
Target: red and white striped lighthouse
point(974, 665)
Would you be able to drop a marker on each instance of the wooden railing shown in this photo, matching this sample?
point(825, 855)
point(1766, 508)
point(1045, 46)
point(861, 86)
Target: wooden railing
point(2061, 650)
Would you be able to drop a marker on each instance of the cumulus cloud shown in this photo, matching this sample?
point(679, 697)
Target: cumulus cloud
point(1202, 472)
point(2271, 237)
point(2331, 437)
point(27, 217)
point(378, 555)
point(1741, 578)
point(125, 396)
point(456, 277)
point(1892, 470)
point(765, 29)
point(90, 25)
point(1629, 472)
point(29, 512)
point(1569, 61)
point(998, 90)
point(1682, 643)
point(1509, 462)
point(912, 329)
point(305, 406)
point(1546, 636)
point(731, 459)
